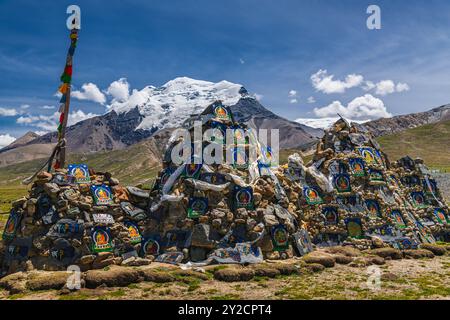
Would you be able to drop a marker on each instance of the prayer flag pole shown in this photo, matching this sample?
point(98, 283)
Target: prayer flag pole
point(59, 152)
point(64, 89)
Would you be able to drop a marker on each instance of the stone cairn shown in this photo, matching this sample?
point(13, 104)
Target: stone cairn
point(363, 199)
point(197, 214)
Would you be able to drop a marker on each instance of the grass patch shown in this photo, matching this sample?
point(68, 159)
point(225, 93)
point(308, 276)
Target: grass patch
point(114, 294)
point(229, 296)
point(10, 194)
point(77, 296)
point(260, 279)
point(17, 296)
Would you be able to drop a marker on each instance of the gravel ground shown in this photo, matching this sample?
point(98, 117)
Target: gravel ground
point(409, 279)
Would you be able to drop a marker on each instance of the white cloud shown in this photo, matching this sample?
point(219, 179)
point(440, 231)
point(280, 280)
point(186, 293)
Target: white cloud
point(311, 100)
point(402, 87)
point(242, 61)
point(385, 87)
point(78, 116)
point(8, 112)
point(5, 140)
point(325, 83)
point(119, 90)
point(293, 96)
point(48, 107)
point(50, 123)
point(367, 107)
point(258, 96)
point(90, 92)
point(24, 106)
point(369, 85)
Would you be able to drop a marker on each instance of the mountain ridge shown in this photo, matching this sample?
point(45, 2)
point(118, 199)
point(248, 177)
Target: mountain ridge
point(397, 124)
point(145, 112)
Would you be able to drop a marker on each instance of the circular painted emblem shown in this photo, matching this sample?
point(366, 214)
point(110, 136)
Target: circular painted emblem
point(398, 217)
point(373, 208)
point(199, 205)
point(221, 112)
point(354, 229)
point(79, 173)
point(11, 224)
point(243, 197)
point(133, 232)
point(357, 167)
point(151, 247)
point(418, 198)
point(440, 214)
point(368, 155)
point(102, 194)
point(311, 194)
point(331, 216)
point(280, 236)
point(101, 238)
point(342, 182)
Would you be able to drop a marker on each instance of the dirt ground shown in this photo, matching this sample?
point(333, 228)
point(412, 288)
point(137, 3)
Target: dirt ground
point(400, 279)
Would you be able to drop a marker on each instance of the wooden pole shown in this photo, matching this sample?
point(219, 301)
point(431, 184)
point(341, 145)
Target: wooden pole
point(59, 152)
point(62, 152)
point(66, 78)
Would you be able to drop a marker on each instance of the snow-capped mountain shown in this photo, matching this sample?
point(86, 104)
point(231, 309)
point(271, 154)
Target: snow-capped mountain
point(323, 123)
point(141, 114)
point(174, 102)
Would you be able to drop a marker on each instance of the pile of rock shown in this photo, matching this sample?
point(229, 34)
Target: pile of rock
point(353, 194)
point(242, 212)
point(83, 218)
point(236, 212)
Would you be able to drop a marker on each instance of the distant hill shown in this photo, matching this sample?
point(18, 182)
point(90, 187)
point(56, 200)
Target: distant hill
point(430, 142)
point(138, 163)
point(25, 139)
point(387, 126)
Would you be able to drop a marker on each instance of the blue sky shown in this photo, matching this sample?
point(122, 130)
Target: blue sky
point(271, 47)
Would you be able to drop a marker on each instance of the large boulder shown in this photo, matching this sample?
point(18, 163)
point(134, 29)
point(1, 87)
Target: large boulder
point(418, 254)
point(437, 250)
point(115, 276)
point(234, 274)
point(47, 280)
point(387, 253)
point(325, 259)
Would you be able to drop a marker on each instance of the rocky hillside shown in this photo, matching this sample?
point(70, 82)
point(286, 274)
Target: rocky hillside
point(25, 139)
point(386, 126)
